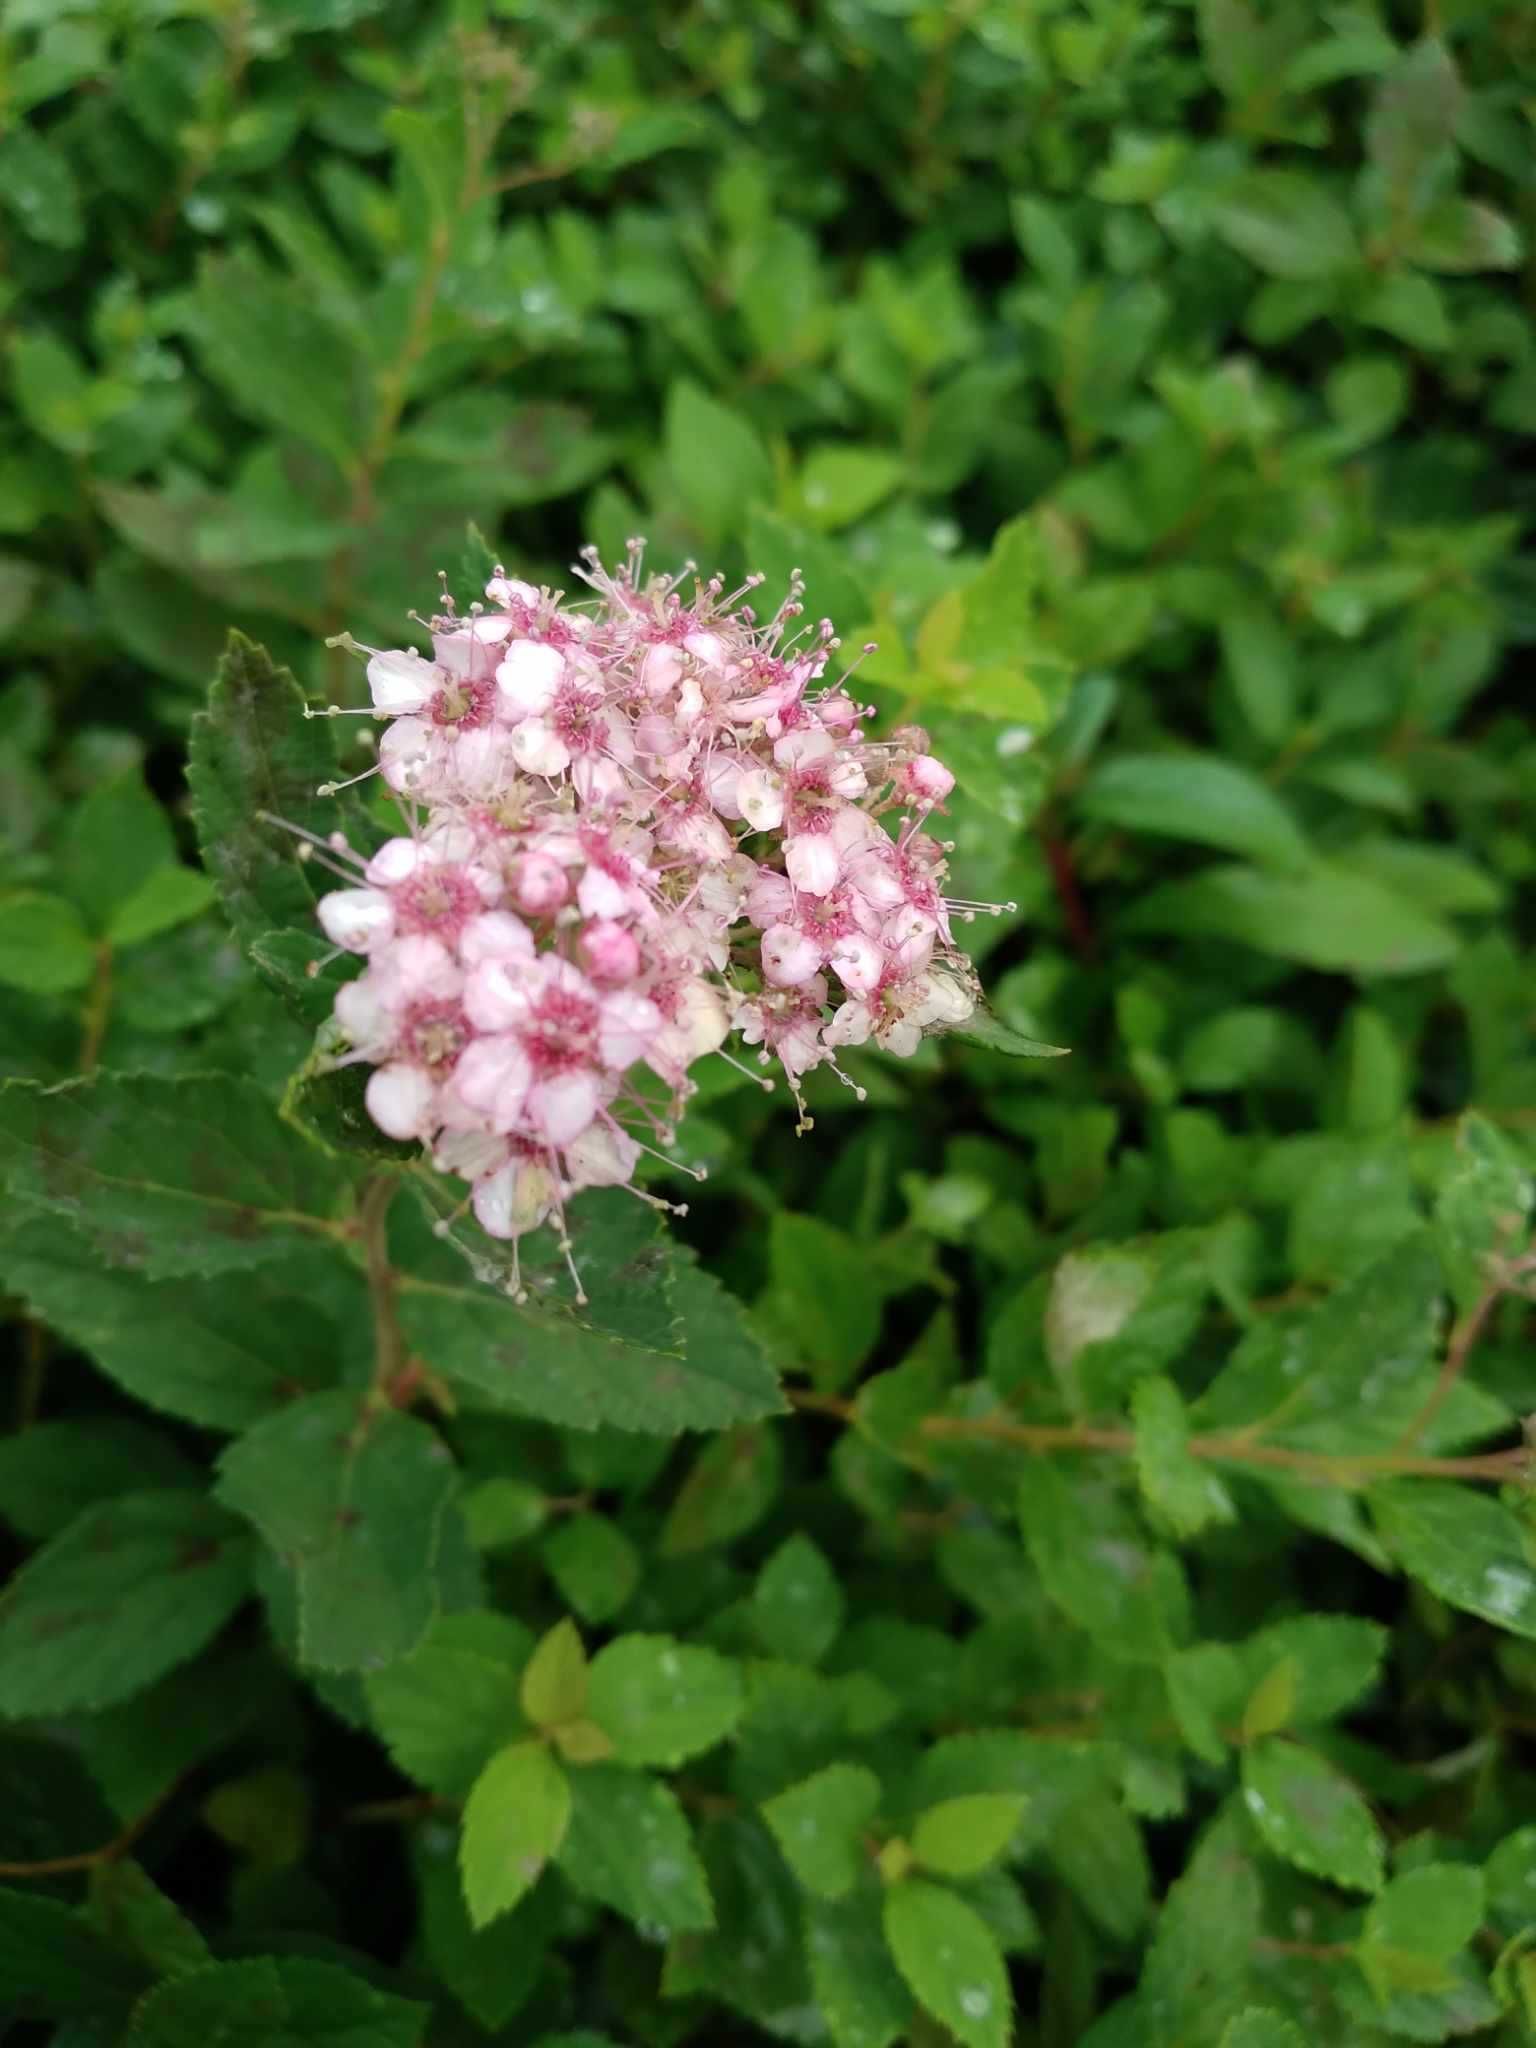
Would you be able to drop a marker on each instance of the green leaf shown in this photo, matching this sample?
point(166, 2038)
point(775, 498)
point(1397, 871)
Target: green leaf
point(861, 1995)
point(1185, 1493)
point(1190, 1983)
point(1196, 797)
point(491, 1971)
point(165, 899)
point(54, 1964)
point(716, 459)
point(629, 1847)
point(256, 759)
point(661, 1701)
point(134, 1914)
point(833, 1324)
point(1098, 1848)
point(950, 1958)
point(557, 1679)
point(1417, 1924)
point(207, 1350)
point(1286, 223)
point(515, 1820)
point(272, 1999)
point(1095, 1567)
point(1255, 2029)
point(118, 838)
point(44, 947)
point(166, 1177)
point(959, 1837)
point(730, 1486)
point(840, 482)
point(1330, 918)
point(445, 1709)
point(132, 1588)
point(1460, 235)
point(820, 1826)
point(52, 1471)
point(352, 1496)
point(39, 189)
point(1466, 1547)
point(1483, 1208)
point(1510, 1878)
point(992, 1035)
point(265, 339)
point(594, 1564)
point(1261, 661)
point(538, 1362)
point(797, 1603)
point(1311, 1815)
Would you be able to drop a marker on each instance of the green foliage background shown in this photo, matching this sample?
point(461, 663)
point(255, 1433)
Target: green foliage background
point(1125, 1631)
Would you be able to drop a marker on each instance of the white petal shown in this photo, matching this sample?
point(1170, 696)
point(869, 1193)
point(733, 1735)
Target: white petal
point(395, 862)
point(789, 957)
point(760, 798)
point(601, 1157)
point(560, 1108)
point(356, 918)
point(857, 962)
point(401, 681)
point(850, 1025)
point(400, 1099)
point(626, 1025)
point(812, 862)
point(495, 935)
point(538, 749)
point(527, 678)
point(492, 1076)
point(515, 1198)
point(496, 993)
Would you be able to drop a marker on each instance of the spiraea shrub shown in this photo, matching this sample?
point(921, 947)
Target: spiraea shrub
point(775, 1286)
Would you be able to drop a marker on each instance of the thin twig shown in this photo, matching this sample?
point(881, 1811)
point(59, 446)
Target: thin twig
point(89, 1859)
point(1464, 1339)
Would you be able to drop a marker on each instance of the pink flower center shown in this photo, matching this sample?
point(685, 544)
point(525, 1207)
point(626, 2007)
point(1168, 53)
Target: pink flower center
point(438, 900)
point(464, 704)
point(561, 1035)
point(434, 1034)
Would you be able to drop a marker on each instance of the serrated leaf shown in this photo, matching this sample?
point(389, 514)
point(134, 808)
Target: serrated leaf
point(729, 1487)
point(1483, 1209)
point(950, 1958)
point(353, 1498)
point(167, 1177)
point(1097, 1568)
point(629, 1847)
point(1330, 918)
point(536, 1361)
point(271, 1999)
point(557, 1678)
point(819, 1824)
point(134, 1914)
point(1312, 1815)
point(130, 1589)
point(1185, 1493)
point(860, 1993)
point(118, 839)
point(1287, 223)
point(660, 1701)
point(446, 1708)
point(222, 1352)
point(1424, 1916)
point(255, 758)
point(1466, 1547)
point(1190, 1982)
point(515, 1820)
point(1257, 2029)
point(960, 1837)
point(55, 1965)
point(491, 1971)
point(754, 1959)
point(52, 1471)
point(797, 1603)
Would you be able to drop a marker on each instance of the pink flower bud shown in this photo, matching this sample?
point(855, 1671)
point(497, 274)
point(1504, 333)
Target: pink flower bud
point(537, 884)
point(609, 952)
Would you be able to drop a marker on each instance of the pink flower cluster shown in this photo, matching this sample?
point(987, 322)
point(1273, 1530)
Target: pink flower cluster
point(632, 826)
